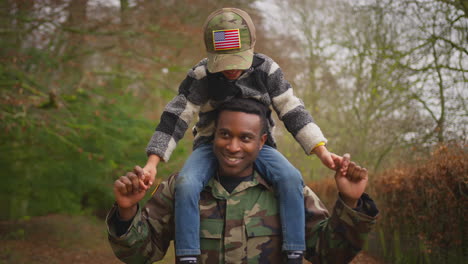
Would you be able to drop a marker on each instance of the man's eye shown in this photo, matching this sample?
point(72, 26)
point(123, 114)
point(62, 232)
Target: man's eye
point(246, 138)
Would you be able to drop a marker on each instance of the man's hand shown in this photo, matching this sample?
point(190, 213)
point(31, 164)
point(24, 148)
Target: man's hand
point(150, 169)
point(352, 185)
point(331, 160)
point(128, 191)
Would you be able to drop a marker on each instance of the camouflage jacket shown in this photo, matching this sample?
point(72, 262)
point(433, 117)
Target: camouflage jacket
point(242, 227)
point(202, 92)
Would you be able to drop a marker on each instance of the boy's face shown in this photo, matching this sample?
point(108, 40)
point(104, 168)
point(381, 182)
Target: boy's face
point(232, 74)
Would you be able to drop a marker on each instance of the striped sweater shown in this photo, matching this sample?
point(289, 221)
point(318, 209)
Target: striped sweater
point(202, 92)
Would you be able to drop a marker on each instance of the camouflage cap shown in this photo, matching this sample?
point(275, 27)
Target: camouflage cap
point(229, 35)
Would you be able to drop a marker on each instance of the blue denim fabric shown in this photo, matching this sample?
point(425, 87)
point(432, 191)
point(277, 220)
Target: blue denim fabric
point(288, 185)
point(271, 164)
point(195, 174)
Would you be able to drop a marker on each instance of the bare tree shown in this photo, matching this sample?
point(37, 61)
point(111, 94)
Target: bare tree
point(397, 71)
point(436, 55)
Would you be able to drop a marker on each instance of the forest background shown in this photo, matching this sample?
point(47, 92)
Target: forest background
point(83, 83)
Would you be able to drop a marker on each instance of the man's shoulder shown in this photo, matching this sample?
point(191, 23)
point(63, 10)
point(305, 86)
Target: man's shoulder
point(166, 188)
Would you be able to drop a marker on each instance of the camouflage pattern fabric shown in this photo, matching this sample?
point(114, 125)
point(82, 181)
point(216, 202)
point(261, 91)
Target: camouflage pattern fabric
point(230, 59)
point(241, 227)
point(229, 18)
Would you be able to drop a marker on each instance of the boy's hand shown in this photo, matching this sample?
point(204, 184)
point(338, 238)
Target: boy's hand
point(331, 160)
point(149, 174)
point(150, 169)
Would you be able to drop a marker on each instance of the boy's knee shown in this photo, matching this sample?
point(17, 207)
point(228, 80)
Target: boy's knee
point(188, 184)
point(291, 181)
point(296, 179)
point(290, 174)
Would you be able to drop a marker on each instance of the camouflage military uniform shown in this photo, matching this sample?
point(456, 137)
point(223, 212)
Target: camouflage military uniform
point(242, 226)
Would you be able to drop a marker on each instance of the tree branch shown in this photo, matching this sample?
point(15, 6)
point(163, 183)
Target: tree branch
point(417, 98)
point(451, 43)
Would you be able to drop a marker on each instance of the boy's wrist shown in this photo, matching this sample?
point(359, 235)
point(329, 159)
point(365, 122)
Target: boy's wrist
point(319, 149)
point(153, 160)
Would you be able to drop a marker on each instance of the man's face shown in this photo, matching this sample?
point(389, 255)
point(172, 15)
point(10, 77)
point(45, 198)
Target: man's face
point(232, 74)
point(237, 141)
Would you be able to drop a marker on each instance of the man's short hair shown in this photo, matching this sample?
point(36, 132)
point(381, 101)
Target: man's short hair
point(249, 106)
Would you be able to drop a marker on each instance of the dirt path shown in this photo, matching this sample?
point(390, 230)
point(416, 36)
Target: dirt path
point(364, 258)
point(56, 239)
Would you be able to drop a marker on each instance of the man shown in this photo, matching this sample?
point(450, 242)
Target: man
point(239, 213)
point(232, 69)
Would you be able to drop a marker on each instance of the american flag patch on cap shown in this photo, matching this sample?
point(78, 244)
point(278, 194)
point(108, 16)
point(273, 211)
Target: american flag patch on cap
point(226, 39)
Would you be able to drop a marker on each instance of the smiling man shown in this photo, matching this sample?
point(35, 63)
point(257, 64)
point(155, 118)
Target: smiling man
point(239, 136)
point(239, 212)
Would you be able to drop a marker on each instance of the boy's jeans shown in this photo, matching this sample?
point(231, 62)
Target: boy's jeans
point(271, 164)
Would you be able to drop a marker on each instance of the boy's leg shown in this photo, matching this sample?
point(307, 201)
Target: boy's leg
point(195, 174)
point(288, 184)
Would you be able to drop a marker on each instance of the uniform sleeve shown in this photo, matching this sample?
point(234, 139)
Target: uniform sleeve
point(290, 109)
point(337, 238)
point(148, 237)
point(179, 112)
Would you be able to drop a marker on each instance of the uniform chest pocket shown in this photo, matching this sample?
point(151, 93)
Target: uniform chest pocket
point(263, 226)
point(211, 242)
point(211, 228)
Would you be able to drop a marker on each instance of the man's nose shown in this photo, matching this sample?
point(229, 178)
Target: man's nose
point(234, 145)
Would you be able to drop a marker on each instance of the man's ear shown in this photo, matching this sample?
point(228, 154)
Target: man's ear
point(263, 139)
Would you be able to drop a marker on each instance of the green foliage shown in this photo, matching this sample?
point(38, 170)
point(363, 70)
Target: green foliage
point(81, 89)
point(61, 159)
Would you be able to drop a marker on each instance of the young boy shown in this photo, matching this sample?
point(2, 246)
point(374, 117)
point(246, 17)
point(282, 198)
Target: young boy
point(233, 70)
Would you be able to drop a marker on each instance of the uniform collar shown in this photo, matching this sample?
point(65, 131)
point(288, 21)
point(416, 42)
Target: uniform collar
point(218, 191)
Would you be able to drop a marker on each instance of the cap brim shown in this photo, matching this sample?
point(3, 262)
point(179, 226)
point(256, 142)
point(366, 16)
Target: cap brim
point(235, 61)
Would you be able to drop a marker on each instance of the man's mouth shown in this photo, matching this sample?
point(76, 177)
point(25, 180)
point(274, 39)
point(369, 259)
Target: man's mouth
point(230, 160)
